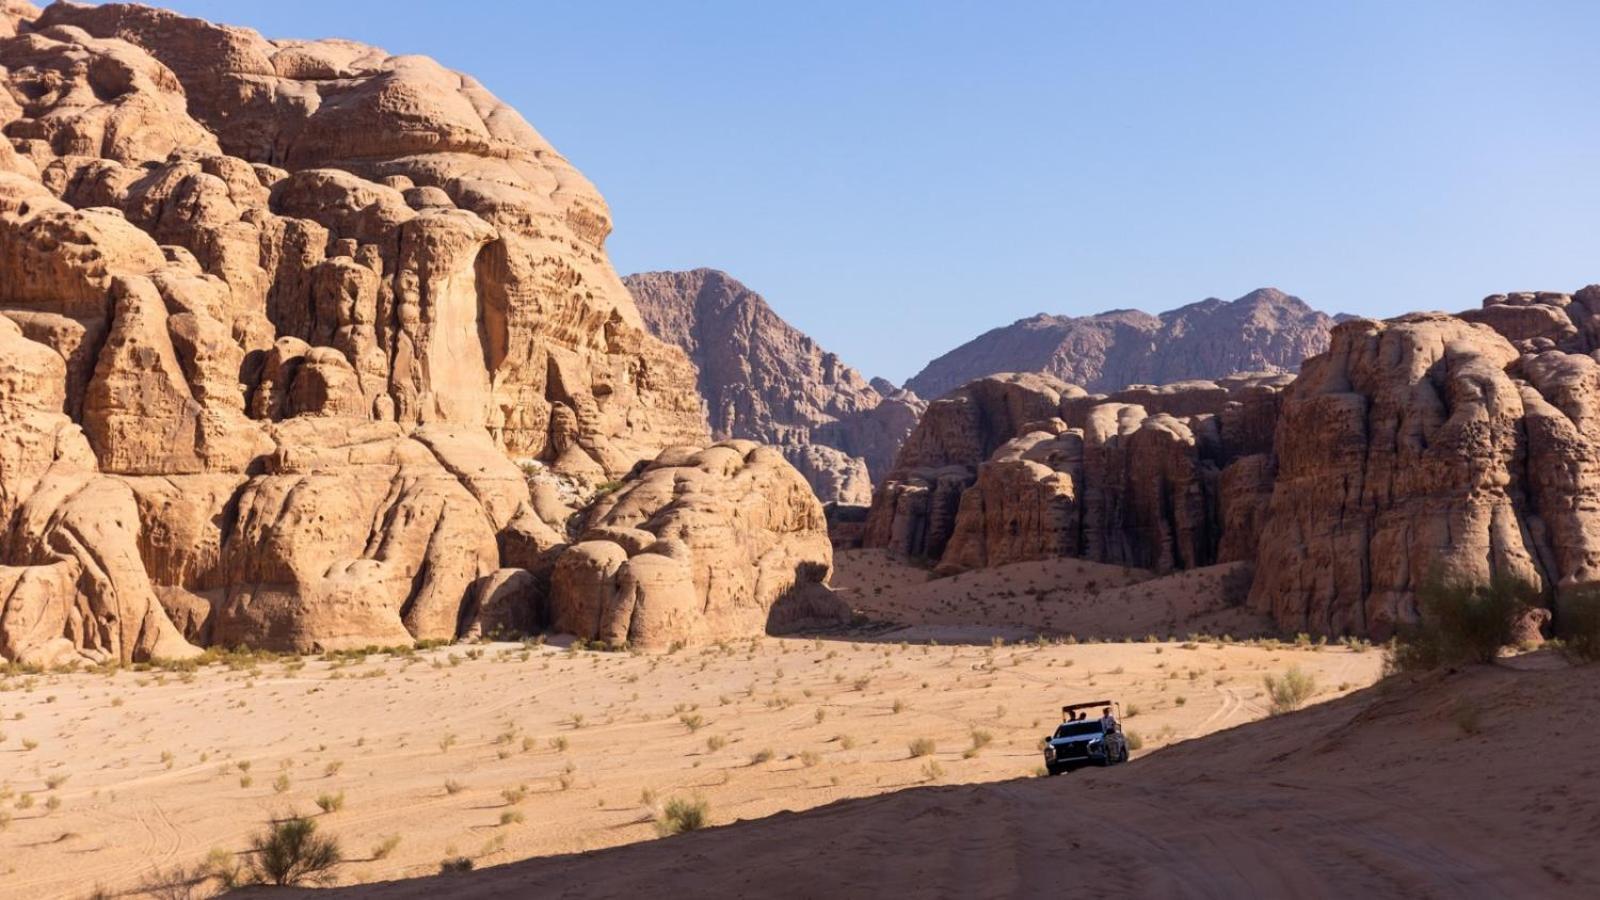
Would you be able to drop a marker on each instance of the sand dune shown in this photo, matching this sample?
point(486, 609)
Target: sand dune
point(149, 771)
point(1476, 784)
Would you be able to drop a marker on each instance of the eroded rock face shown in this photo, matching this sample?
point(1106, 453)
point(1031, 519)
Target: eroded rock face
point(764, 380)
point(1460, 446)
point(1019, 467)
point(276, 317)
point(1265, 330)
point(1429, 444)
point(702, 544)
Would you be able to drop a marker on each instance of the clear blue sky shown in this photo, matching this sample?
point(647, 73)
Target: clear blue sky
point(897, 177)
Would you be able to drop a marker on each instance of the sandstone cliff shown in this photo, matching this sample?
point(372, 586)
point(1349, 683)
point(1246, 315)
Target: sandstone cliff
point(279, 321)
point(763, 379)
point(1429, 444)
point(1265, 330)
point(1019, 467)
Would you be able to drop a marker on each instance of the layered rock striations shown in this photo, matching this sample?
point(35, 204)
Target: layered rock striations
point(1263, 331)
point(279, 321)
point(762, 379)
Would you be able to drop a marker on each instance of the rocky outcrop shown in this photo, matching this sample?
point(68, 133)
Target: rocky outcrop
point(1434, 444)
point(1021, 467)
point(703, 544)
point(1456, 446)
point(285, 325)
point(1265, 330)
point(764, 380)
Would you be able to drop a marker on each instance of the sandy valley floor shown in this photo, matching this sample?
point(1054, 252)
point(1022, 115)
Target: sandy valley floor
point(504, 751)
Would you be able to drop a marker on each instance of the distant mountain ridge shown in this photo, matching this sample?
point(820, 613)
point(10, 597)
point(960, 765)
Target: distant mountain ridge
point(1265, 330)
point(763, 379)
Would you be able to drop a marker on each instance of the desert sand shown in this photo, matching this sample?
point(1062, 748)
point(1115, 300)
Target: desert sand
point(1471, 784)
point(1057, 597)
point(499, 752)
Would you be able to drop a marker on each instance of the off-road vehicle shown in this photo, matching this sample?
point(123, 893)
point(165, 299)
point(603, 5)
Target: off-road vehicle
point(1087, 740)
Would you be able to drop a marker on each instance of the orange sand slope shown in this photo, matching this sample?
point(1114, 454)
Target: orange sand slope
point(1479, 783)
point(1052, 596)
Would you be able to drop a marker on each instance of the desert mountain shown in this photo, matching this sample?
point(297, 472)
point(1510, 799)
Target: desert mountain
point(765, 380)
point(1264, 331)
point(1456, 445)
point(284, 326)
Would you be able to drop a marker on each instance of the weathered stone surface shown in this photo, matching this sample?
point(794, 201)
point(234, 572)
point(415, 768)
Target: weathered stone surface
point(1417, 446)
point(1015, 468)
point(1430, 444)
point(764, 380)
point(701, 544)
point(1265, 330)
point(277, 316)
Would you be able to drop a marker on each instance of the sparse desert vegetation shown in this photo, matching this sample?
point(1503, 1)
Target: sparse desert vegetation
point(408, 766)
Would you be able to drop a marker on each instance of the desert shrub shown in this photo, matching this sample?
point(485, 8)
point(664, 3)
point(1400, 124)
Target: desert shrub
point(291, 852)
point(1468, 717)
point(1578, 623)
point(383, 848)
point(1462, 622)
point(921, 747)
point(680, 815)
point(455, 865)
point(765, 754)
point(1290, 690)
point(330, 803)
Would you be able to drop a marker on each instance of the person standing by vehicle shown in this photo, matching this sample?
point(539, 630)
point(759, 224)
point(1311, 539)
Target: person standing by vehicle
point(1108, 722)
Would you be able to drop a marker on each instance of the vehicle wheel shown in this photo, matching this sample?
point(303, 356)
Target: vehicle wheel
point(1123, 756)
point(1052, 770)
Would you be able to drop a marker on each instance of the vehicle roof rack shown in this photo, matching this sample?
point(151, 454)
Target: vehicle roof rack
point(1071, 707)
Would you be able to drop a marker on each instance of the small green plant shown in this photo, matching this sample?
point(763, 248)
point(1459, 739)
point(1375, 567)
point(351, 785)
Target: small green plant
point(330, 803)
point(383, 848)
point(291, 852)
point(680, 815)
point(1460, 622)
point(1290, 690)
point(1578, 623)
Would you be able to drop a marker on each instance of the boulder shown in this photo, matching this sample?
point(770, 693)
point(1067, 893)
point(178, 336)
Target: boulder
point(699, 545)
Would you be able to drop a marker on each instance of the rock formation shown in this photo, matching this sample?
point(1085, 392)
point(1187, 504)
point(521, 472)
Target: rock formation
point(764, 380)
point(279, 321)
point(702, 545)
point(1263, 331)
point(1018, 467)
point(1459, 446)
point(1462, 446)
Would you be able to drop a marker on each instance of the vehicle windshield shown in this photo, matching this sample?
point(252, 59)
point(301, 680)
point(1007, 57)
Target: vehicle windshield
point(1078, 729)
